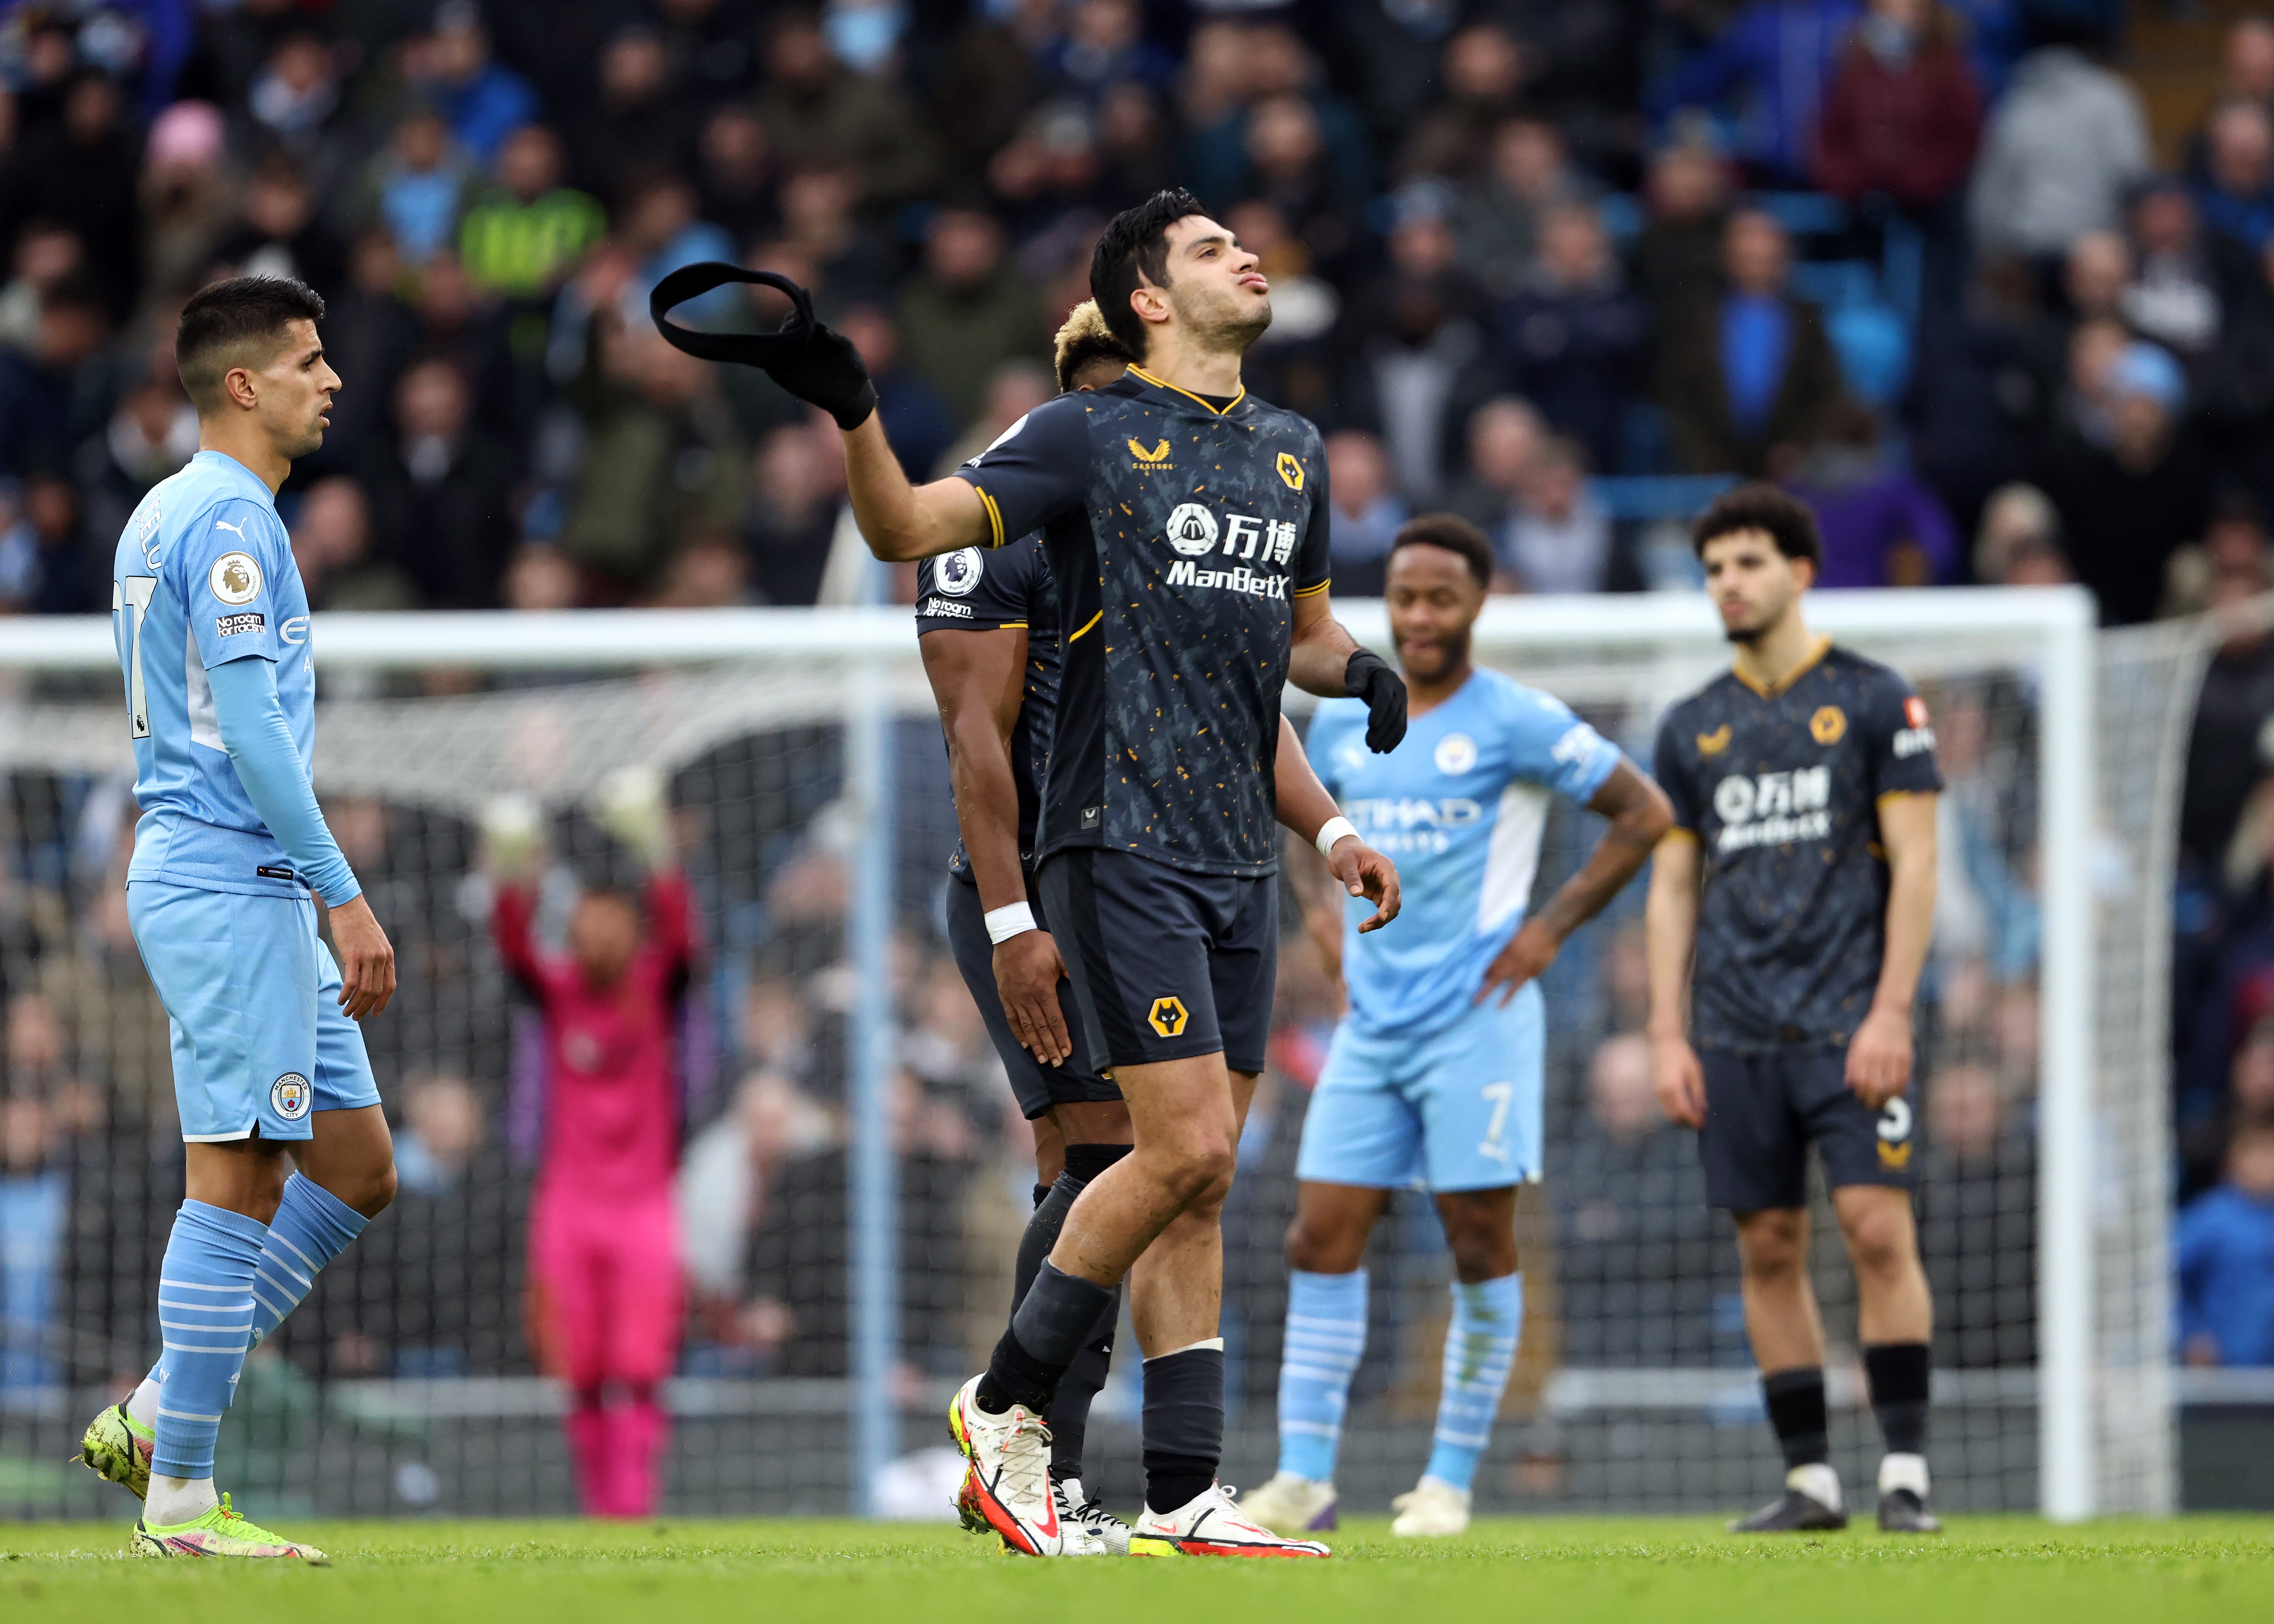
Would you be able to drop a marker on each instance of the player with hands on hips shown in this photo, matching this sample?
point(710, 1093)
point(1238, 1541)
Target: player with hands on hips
point(1436, 1072)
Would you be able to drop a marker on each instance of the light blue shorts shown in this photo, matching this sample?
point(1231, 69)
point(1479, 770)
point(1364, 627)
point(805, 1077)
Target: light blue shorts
point(1459, 1109)
point(252, 997)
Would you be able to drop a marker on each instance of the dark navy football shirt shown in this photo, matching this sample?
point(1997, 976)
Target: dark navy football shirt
point(1180, 535)
point(1781, 788)
point(986, 590)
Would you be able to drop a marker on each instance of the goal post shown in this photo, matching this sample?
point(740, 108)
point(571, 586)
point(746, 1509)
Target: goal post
point(2093, 730)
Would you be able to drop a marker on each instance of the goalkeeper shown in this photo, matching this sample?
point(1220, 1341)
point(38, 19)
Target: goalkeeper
point(604, 1270)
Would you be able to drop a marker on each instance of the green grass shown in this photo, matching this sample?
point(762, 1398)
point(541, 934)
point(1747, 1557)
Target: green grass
point(1990, 1570)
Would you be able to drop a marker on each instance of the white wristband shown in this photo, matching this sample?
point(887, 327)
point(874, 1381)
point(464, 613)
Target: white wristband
point(1005, 923)
point(1333, 829)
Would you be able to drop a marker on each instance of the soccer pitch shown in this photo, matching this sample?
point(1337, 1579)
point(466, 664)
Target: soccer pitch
point(2006, 1570)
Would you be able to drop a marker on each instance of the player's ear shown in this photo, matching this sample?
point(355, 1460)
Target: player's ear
point(1804, 573)
point(239, 388)
point(1150, 302)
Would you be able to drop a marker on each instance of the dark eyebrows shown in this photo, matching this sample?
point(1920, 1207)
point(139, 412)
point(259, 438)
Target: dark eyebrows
point(312, 357)
point(1199, 242)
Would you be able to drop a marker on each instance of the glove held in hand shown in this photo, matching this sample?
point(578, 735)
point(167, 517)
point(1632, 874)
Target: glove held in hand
point(1369, 677)
point(811, 361)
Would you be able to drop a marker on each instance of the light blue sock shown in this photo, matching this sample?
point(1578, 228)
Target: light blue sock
point(1326, 1338)
point(204, 1313)
point(311, 1227)
point(1480, 1352)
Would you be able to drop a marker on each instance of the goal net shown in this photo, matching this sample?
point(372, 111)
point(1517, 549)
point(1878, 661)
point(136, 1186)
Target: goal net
point(854, 1177)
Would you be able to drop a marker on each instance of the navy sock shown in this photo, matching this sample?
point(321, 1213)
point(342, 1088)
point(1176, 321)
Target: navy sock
point(1900, 1374)
point(1057, 1315)
point(1797, 1411)
point(1184, 1424)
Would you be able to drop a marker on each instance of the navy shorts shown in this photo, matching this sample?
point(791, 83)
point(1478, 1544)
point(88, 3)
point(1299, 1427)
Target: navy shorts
point(1166, 964)
point(1038, 1087)
point(1765, 1106)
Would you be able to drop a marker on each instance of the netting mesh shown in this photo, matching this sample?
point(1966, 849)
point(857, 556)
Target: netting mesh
point(408, 1380)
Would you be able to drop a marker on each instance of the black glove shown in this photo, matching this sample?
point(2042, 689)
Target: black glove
point(1369, 677)
point(809, 360)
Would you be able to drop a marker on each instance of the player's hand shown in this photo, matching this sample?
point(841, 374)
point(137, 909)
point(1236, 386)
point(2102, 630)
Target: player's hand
point(1525, 959)
point(366, 959)
point(1365, 872)
point(1678, 1080)
point(1028, 970)
point(1367, 676)
point(1880, 1057)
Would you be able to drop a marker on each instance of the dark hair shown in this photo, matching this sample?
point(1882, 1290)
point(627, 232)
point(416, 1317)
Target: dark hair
point(1453, 533)
point(221, 319)
point(1136, 241)
point(1759, 506)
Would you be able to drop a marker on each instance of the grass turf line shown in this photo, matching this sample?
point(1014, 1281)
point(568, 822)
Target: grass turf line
point(1985, 1571)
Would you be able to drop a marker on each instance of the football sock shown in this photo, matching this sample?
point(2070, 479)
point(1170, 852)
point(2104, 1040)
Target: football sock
point(142, 1404)
point(1480, 1352)
point(1058, 1314)
point(638, 1430)
point(205, 1314)
point(1326, 1338)
point(311, 1227)
point(1797, 1411)
point(1900, 1374)
point(1085, 1378)
point(591, 1452)
point(1183, 1424)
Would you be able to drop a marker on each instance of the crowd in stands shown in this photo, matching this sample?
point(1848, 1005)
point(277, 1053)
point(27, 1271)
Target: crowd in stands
point(1919, 261)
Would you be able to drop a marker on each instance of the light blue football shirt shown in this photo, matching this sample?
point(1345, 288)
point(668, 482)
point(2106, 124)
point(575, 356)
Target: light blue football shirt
point(1460, 806)
point(204, 576)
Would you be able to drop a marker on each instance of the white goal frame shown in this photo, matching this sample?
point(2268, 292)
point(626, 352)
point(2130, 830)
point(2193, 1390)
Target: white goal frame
point(2047, 632)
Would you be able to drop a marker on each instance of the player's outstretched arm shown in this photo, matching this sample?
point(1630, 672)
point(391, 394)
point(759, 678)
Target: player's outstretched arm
point(1328, 661)
point(1671, 940)
point(1880, 1054)
point(267, 762)
point(902, 522)
point(1640, 814)
point(979, 680)
point(1307, 808)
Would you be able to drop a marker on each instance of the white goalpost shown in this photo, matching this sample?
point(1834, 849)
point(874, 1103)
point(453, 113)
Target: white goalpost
point(809, 795)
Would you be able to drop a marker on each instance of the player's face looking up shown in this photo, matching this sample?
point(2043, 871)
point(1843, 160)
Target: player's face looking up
point(1753, 583)
point(1215, 295)
point(1433, 600)
point(603, 934)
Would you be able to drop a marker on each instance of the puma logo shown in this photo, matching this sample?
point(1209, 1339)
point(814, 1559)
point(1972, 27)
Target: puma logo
point(223, 524)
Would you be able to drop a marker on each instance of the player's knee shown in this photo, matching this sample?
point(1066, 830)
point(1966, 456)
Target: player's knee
point(1878, 1242)
point(1200, 1169)
point(1318, 1247)
point(1772, 1252)
point(379, 1191)
point(1481, 1254)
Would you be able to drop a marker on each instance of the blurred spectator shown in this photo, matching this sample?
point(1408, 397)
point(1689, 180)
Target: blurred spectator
point(1387, 52)
point(1013, 389)
point(1772, 62)
point(442, 1129)
point(80, 174)
point(1484, 71)
point(439, 491)
point(2128, 503)
point(1573, 339)
point(1748, 377)
point(184, 194)
point(635, 126)
point(2095, 275)
point(1366, 511)
point(34, 1206)
point(1421, 360)
point(817, 111)
point(2237, 191)
point(661, 451)
point(1504, 436)
point(2188, 283)
point(527, 234)
point(737, 173)
point(1559, 538)
point(2227, 745)
point(414, 183)
point(725, 1179)
point(797, 485)
point(916, 418)
point(483, 100)
point(1903, 114)
point(1678, 252)
point(1980, 1222)
point(1105, 45)
point(539, 579)
point(2067, 141)
point(46, 258)
point(2225, 1288)
point(966, 311)
point(280, 232)
point(296, 96)
point(51, 393)
point(331, 544)
point(1291, 166)
point(1498, 218)
point(152, 433)
point(1881, 525)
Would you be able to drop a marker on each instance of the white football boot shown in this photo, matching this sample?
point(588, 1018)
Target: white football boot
point(1292, 1502)
point(1433, 1509)
point(1008, 1484)
point(1212, 1524)
point(1090, 1529)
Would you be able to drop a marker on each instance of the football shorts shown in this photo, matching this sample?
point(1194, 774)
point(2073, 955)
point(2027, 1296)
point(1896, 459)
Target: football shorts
point(1165, 964)
point(252, 997)
point(1459, 1109)
point(1764, 1108)
point(1038, 1087)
